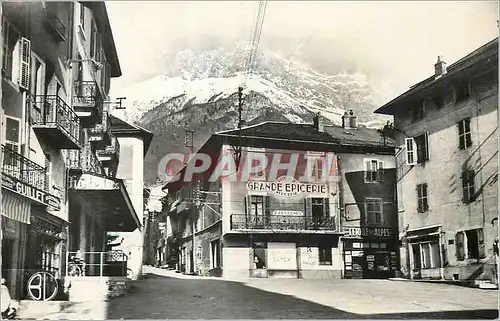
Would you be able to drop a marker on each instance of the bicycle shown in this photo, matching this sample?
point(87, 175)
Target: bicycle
point(76, 267)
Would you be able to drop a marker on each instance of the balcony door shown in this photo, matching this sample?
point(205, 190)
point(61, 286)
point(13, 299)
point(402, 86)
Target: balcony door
point(317, 211)
point(257, 210)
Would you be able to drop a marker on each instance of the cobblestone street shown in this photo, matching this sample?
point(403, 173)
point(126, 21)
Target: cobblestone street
point(165, 294)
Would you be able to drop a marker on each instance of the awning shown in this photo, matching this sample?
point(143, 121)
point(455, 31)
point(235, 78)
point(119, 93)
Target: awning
point(16, 207)
point(109, 198)
point(423, 233)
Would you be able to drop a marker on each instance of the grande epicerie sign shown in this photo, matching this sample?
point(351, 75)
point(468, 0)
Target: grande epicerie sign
point(287, 186)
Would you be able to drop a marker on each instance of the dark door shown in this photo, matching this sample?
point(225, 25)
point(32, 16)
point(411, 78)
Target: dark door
point(7, 248)
point(191, 257)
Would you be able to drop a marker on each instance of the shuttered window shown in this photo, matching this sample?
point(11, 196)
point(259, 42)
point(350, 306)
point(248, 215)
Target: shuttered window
point(464, 134)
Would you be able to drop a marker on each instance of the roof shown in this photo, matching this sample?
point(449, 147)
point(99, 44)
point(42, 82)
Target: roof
point(308, 133)
point(102, 20)
point(453, 71)
point(119, 127)
point(300, 133)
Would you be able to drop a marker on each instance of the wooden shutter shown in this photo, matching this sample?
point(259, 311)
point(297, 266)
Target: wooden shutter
point(411, 157)
point(481, 246)
point(426, 146)
point(92, 40)
point(368, 171)
point(459, 242)
point(308, 207)
point(380, 171)
point(24, 63)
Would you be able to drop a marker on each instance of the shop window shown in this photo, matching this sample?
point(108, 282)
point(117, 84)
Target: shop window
point(468, 186)
point(374, 171)
point(383, 245)
point(373, 210)
point(426, 255)
point(464, 134)
point(422, 198)
point(374, 245)
point(366, 245)
point(325, 255)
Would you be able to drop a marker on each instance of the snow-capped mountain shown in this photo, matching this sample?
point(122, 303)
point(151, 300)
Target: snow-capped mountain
point(199, 92)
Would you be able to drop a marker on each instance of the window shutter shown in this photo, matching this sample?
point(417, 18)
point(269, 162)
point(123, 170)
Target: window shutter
point(425, 195)
point(426, 146)
point(246, 201)
point(267, 206)
point(326, 206)
point(24, 63)
point(368, 171)
point(92, 40)
point(410, 151)
point(380, 171)
point(481, 246)
point(308, 206)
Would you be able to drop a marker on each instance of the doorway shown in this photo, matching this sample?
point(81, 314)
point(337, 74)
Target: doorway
point(259, 264)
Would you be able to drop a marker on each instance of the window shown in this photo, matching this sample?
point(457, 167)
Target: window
point(38, 77)
point(373, 210)
point(11, 39)
point(468, 186)
point(374, 171)
point(475, 244)
point(315, 165)
point(422, 144)
point(464, 134)
point(426, 255)
point(418, 111)
point(325, 255)
point(257, 205)
point(12, 140)
point(417, 149)
point(462, 91)
point(422, 194)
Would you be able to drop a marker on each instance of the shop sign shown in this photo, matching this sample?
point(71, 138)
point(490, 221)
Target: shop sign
point(30, 192)
point(287, 186)
point(287, 213)
point(367, 231)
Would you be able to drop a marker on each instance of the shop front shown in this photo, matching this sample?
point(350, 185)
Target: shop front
point(369, 253)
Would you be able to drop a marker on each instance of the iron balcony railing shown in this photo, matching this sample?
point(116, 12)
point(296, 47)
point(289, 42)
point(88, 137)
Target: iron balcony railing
point(102, 127)
point(52, 110)
point(113, 149)
point(54, 25)
point(111, 263)
point(84, 160)
point(23, 169)
point(86, 94)
point(281, 222)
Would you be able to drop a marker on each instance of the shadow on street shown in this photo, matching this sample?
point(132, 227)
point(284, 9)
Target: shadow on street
point(161, 297)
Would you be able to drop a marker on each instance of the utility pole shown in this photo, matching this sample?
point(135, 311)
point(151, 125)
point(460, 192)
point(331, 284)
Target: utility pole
point(1, 137)
point(240, 110)
point(189, 142)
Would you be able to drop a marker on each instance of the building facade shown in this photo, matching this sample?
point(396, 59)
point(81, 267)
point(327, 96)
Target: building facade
point(60, 191)
point(282, 212)
point(446, 127)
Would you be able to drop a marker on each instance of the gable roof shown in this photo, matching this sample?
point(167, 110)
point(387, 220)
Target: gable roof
point(119, 127)
point(454, 70)
point(308, 133)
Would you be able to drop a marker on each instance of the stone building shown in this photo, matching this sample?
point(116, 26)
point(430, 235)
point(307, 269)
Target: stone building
point(447, 164)
point(61, 182)
point(306, 201)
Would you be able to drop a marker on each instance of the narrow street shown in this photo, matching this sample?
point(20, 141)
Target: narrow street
point(165, 294)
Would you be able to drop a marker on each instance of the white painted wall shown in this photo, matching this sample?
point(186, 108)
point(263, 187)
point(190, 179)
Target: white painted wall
point(131, 170)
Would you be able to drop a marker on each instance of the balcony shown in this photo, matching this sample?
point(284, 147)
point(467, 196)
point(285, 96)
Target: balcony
point(27, 178)
point(100, 135)
point(87, 102)
point(55, 122)
point(111, 263)
point(110, 155)
point(84, 161)
point(54, 25)
point(282, 223)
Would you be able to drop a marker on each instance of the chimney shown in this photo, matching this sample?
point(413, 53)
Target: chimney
point(345, 120)
point(318, 123)
point(352, 119)
point(439, 67)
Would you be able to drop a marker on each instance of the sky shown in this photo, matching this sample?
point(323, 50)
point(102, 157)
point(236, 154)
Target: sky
point(395, 44)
